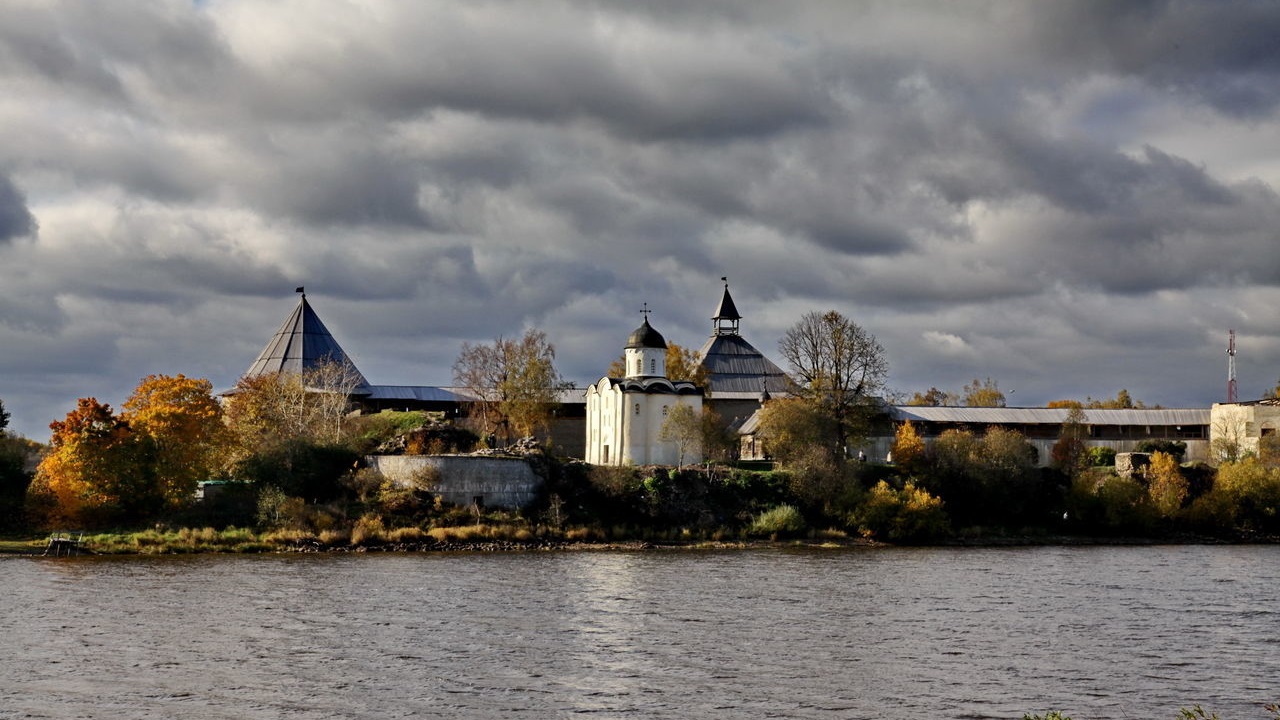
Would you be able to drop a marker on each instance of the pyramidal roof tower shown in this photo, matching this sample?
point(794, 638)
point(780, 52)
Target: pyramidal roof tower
point(300, 344)
point(735, 369)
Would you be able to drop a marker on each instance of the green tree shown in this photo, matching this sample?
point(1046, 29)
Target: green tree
point(4, 417)
point(982, 394)
point(14, 478)
point(838, 367)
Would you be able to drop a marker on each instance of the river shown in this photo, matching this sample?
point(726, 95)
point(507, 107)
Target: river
point(1097, 632)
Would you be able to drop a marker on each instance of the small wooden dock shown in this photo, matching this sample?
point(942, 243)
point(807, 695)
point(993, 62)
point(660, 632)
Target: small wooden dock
point(65, 544)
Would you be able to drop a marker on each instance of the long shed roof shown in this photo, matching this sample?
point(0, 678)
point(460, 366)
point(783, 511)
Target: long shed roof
point(1050, 416)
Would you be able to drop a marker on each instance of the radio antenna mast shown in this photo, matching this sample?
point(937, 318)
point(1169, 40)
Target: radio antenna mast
point(1231, 366)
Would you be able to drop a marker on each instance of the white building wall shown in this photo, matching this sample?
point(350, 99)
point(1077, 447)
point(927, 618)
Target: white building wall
point(618, 434)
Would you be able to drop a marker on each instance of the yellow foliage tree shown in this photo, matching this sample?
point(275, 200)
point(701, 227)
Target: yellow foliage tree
point(184, 422)
point(682, 364)
point(1166, 485)
point(908, 447)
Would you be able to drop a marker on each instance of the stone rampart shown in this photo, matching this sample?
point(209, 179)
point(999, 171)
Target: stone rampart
point(466, 479)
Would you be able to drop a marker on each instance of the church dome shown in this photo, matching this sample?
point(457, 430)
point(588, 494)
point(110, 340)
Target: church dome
point(646, 337)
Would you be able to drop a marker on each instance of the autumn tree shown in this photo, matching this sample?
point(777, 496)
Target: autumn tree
point(1069, 453)
point(908, 447)
point(183, 422)
point(719, 442)
point(1166, 485)
point(933, 397)
point(983, 394)
point(837, 367)
point(515, 382)
point(330, 385)
point(683, 428)
point(97, 471)
point(266, 411)
point(985, 480)
point(682, 364)
point(788, 427)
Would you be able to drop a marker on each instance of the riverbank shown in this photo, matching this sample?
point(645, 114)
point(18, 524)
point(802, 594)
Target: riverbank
point(239, 541)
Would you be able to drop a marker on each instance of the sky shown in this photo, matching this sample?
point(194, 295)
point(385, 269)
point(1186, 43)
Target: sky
point(1069, 198)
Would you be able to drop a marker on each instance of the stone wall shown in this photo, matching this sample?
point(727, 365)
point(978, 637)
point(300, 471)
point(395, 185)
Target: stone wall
point(500, 482)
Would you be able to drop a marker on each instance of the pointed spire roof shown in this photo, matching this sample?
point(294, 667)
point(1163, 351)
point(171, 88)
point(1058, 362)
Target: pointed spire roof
point(726, 317)
point(734, 366)
point(300, 344)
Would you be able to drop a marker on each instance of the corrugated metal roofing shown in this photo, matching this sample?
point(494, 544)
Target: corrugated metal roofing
point(301, 343)
point(422, 393)
point(434, 393)
point(1031, 416)
point(1050, 416)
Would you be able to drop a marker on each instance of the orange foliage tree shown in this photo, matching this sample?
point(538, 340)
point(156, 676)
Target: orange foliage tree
point(96, 472)
point(183, 421)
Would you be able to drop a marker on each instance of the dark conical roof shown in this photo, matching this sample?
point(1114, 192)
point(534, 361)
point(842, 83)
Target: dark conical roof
point(646, 337)
point(300, 344)
point(727, 310)
point(725, 321)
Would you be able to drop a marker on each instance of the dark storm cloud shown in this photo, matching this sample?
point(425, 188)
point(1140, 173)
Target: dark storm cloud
point(1224, 53)
point(994, 188)
point(15, 219)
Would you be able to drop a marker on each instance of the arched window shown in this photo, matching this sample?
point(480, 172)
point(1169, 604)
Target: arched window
point(664, 411)
point(653, 366)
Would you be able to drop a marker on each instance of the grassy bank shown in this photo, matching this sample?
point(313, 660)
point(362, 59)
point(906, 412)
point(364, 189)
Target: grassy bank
point(370, 535)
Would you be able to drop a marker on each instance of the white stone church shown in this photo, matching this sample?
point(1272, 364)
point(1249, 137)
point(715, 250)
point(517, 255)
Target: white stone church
point(625, 415)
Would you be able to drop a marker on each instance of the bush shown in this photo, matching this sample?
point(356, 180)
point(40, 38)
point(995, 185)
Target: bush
point(781, 521)
point(1176, 448)
point(1245, 495)
point(907, 514)
point(368, 530)
point(1102, 457)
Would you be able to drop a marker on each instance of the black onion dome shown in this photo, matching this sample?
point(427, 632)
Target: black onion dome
point(646, 337)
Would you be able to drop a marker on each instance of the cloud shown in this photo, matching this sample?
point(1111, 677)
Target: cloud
point(1067, 198)
point(15, 219)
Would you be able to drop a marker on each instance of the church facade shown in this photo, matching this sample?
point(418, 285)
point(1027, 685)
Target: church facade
point(625, 416)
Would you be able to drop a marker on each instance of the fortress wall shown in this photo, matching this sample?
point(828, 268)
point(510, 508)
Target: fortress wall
point(464, 479)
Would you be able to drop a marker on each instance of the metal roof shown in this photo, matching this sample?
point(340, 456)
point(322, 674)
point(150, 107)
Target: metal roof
point(735, 366)
point(301, 343)
point(422, 393)
point(1049, 416)
point(434, 393)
